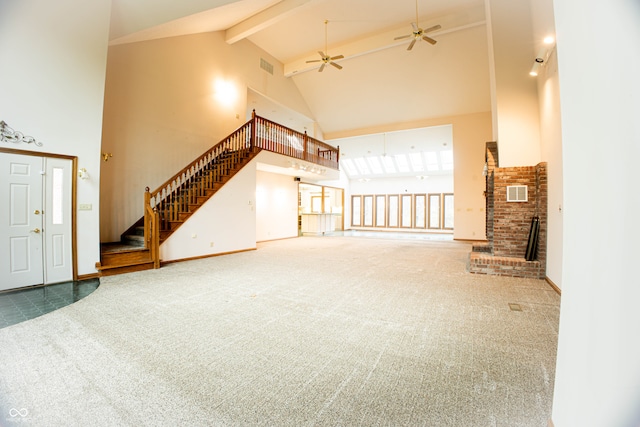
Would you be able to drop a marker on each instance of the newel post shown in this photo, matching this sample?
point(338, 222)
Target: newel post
point(306, 144)
point(254, 126)
point(147, 223)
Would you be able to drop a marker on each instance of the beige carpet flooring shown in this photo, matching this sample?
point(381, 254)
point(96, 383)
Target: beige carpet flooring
point(313, 331)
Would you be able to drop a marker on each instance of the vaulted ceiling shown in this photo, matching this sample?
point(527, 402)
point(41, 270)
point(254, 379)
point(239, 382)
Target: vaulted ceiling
point(381, 84)
point(449, 78)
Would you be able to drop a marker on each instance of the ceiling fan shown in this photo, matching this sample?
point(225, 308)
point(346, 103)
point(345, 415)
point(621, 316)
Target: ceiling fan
point(325, 58)
point(418, 33)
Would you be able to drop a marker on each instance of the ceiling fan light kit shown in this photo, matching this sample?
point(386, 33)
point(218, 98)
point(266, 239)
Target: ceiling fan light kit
point(324, 57)
point(418, 33)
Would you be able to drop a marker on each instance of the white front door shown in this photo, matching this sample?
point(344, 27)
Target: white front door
point(35, 220)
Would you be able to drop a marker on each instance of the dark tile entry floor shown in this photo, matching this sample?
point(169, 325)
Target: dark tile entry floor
point(24, 304)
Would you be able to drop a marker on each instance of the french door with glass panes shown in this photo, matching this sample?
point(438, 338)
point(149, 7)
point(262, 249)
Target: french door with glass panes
point(35, 220)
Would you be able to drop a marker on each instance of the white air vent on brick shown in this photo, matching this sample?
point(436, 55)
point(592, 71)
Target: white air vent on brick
point(517, 193)
point(266, 66)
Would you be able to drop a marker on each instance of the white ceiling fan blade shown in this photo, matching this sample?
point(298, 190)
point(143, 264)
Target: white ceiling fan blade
point(411, 44)
point(429, 40)
point(338, 66)
point(403, 37)
point(322, 67)
point(337, 57)
point(415, 27)
point(428, 30)
point(314, 60)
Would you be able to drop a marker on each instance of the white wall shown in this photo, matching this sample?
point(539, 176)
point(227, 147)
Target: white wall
point(515, 100)
point(162, 110)
point(551, 151)
point(411, 185)
point(53, 75)
point(276, 206)
point(598, 370)
point(550, 133)
point(225, 223)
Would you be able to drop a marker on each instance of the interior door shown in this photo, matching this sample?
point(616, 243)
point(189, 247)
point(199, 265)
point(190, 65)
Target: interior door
point(21, 263)
point(36, 223)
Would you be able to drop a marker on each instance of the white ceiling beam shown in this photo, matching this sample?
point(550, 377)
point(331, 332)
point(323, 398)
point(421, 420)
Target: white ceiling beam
point(385, 40)
point(263, 19)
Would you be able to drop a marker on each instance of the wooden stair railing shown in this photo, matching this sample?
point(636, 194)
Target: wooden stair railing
point(168, 206)
point(272, 136)
point(152, 231)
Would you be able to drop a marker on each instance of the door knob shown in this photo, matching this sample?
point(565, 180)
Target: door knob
point(36, 212)
point(37, 230)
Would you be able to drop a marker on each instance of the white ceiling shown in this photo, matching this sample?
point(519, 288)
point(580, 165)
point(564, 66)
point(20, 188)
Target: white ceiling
point(381, 86)
point(449, 78)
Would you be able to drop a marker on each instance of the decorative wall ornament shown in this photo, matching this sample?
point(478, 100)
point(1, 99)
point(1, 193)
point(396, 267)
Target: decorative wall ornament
point(7, 134)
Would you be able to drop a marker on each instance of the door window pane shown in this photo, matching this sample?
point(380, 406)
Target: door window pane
point(448, 210)
point(355, 210)
point(368, 211)
point(434, 211)
point(393, 211)
point(406, 210)
point(381, 206)
point(420, 220)
point(57, 196)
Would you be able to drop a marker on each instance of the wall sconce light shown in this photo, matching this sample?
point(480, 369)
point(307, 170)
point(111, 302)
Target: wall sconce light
point(83, 174)
point(542, 56)
point(536, 66)
point(105, 156)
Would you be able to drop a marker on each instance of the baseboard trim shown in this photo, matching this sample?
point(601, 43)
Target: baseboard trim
point(205, 256)
point(88, 276)
point(275, 240)
point(554, 286)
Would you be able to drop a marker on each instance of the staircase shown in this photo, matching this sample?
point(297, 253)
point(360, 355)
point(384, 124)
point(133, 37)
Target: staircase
point(173, 203)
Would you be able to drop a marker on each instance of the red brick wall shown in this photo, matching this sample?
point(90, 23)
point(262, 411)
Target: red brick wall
point(512, 220)
point(509, 223)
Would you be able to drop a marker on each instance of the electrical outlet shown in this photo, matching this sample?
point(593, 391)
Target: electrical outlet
point(85, 206)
